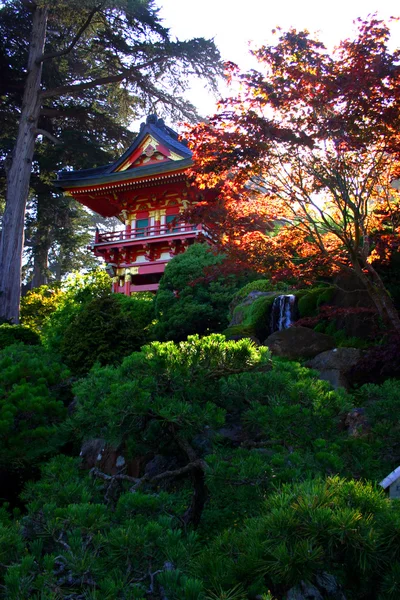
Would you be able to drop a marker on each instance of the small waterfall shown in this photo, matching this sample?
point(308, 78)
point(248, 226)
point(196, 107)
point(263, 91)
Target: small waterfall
point(282, 312)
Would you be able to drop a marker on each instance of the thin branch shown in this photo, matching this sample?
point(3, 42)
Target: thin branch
point(72, 89)
point(138, 482)
point(74, 41)
point(49, 136)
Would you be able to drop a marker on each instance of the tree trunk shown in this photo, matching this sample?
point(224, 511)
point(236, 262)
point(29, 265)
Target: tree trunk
point(379, 295)
point(42, 241)
point(18, 177)
point(41, 259)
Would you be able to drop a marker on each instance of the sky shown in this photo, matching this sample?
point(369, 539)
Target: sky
point(235, 24)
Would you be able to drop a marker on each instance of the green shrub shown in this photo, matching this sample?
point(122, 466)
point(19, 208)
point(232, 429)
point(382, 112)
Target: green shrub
point(311, 299)
point(31, 406)
point(164, 384)
point(260, 285)
point(254, 316)
point(187, 302)
point(38, 304)
point(105, 330)
point(345, 528)
point(10, 334)
point(72, 543)
point(78, 291)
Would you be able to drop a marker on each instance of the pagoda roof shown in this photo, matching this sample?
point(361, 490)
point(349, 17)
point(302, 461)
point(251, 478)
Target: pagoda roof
point(156, 150)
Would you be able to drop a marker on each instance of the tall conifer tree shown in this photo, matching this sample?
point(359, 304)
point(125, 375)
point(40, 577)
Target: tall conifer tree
point(75, 50)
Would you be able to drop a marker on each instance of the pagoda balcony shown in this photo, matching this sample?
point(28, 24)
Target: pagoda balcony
point(151, 233)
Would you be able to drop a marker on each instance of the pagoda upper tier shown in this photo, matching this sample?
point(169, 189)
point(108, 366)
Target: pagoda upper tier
point(148, 190)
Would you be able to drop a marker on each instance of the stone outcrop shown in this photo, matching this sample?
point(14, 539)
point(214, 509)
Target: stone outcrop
point(325, 586)
point(239, 313)
point(299, 342)
point(334, 365)
point(97, 453)
point(357, 423)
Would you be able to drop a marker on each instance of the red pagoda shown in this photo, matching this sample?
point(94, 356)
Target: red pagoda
point(147, 189)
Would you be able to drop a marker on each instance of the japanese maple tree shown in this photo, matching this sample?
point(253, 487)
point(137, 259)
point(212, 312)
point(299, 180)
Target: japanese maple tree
point(304, 159)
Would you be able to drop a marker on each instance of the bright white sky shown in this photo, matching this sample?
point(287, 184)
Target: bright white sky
point(235, 23)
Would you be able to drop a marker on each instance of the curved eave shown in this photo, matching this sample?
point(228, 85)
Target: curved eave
point(132, 176)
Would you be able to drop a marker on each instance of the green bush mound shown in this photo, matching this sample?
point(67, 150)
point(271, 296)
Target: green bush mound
point(77, 292)
point(345, 529)
point(260, 285)
point(105, 330)
point(39, 303)
point(72, 543)
point(255, 486)
point(254, 318)
point(188, 301)
point(309, 300)
point(32, 404)
point(11, 334)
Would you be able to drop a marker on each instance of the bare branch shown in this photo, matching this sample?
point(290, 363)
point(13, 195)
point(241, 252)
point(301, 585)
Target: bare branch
point(49, 136)
point(138, 482)
point(72, 89)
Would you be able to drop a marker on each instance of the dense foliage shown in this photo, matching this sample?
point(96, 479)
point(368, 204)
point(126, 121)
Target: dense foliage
point(78, 290)
point(10, 334)
point(212, 430)
point(33, 394)
point(38, 304)
point(187, 302)
point(310, 145)
point(105, 330)
point(84, 323)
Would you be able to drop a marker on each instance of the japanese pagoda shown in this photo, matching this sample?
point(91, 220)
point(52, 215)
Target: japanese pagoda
point(147, 190)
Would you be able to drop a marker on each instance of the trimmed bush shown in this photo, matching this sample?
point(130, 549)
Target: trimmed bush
point(31, 404)
point(38, 304)
point(344, 528)
point(255, 318)
point(10, 334)
point(188, 302)
point(310, 300)
point(105, 330)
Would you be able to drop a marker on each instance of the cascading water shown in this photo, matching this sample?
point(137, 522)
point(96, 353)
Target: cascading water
point(283, 312)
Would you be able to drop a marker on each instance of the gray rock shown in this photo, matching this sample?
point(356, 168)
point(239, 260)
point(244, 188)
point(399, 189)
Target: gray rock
point(304, 591)
point(357, 423)
point(238, 315)
point(159, 464)
point(327, 583)
point(299, 342)
point(333, 365)
point(233, 433)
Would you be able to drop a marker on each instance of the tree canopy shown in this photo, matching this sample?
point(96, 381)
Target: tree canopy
point(306, 155)
point(87, 71)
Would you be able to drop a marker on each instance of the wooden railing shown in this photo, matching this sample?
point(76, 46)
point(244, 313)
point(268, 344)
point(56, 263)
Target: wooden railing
point(145, 232)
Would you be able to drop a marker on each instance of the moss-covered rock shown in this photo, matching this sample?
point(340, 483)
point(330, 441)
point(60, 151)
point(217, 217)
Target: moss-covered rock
point(251, 319)
point(309, 300)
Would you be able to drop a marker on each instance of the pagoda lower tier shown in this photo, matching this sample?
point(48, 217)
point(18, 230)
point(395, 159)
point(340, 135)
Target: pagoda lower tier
point(137, 257)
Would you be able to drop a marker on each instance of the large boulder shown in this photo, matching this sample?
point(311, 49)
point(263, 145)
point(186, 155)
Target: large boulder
point(334, 365)
point(97, 453)
point(357, 423)
point(326, 587)
point(299, 342)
